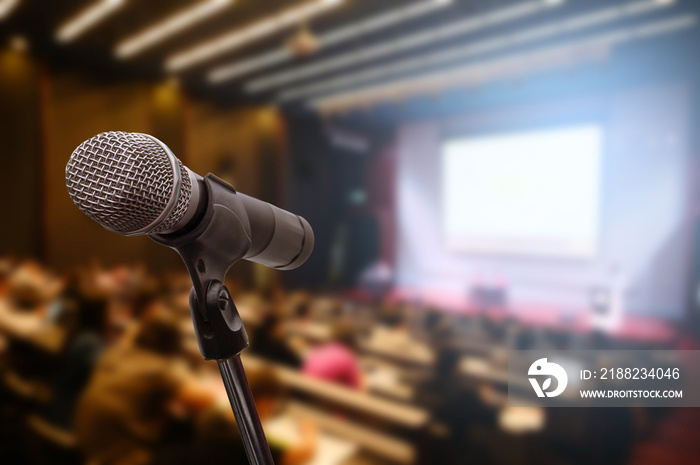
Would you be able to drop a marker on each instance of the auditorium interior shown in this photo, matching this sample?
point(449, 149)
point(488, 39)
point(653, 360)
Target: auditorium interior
point(482, 177)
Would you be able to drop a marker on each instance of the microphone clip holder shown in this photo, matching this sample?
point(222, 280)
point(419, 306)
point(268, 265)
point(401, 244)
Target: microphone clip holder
point(219, 237)
point(209, 248)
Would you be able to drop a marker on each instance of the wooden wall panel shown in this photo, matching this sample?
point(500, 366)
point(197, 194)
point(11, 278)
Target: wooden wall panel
point(229, 143)
point(45, 120)
point(20, 156)
point(80, 108)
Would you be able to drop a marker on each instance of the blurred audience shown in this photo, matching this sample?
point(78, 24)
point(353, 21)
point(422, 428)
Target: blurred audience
point(115, 353)
point(124, 410)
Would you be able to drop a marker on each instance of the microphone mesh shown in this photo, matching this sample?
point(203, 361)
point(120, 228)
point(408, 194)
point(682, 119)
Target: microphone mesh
point(124, 181)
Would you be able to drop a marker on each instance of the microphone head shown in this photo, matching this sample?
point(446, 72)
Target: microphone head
point(130, 183)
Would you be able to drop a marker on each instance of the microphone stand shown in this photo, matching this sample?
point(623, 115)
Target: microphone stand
point(219, 239)
point(244, 410)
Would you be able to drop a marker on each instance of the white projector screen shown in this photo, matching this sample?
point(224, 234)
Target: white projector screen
point(526, 193)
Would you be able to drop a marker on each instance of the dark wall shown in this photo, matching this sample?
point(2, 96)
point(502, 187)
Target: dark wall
point(346, 195)
point(21, 154)
point(312, 193)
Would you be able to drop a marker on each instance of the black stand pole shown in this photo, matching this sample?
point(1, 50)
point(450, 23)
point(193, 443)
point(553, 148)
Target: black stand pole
point(219, 240)
point(244, 409)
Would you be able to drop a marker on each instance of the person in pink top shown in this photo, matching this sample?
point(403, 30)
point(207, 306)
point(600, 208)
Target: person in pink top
point(335, 361)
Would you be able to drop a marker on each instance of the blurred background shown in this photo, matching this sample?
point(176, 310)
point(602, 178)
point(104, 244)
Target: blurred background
point(480, 175)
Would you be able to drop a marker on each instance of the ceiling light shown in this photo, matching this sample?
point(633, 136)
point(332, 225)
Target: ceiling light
point(87, 18)
point(7, 7)
point(592, 48)
point(168, 27)
point(471, 75)
point(401, 44)
point(240, 37)
point(471, 49)
point(343, 34)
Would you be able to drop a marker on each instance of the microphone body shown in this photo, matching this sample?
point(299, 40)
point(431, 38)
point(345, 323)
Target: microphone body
point(279, 239)
point(132, 184)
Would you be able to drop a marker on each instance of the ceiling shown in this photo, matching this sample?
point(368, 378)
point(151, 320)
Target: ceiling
point(94, 50)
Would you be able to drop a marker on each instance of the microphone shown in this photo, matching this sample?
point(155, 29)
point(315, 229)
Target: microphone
point(132, 184)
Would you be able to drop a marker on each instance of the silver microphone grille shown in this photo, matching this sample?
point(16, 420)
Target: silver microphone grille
point(128, 183)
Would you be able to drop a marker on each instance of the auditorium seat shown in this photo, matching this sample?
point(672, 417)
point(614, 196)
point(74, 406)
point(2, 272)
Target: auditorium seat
point(27, 390)
point(50, 445)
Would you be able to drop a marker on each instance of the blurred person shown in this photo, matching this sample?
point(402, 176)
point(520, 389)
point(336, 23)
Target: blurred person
point(141, 303)
point(301, 312)
point(525, 339)
point(300, 317)
point(599, 340)
point(393, 336)
point(131, 280)
point(391, 314)
point(217, 439)
point(254, 308)
point(437, 327)
point(63, 310)
point(136, 294)
point(377, 279)
point(31, 291)
point(328, 309)
point(558, 339)
point(176, 292)
point(300, 306)
point(494, 327)
point(83, 350)
point(31, 288)
point(123, 414)
point(614, 434)
point(269, 342)
point(593, 435)
point(278, 296)
point(6, 267)
point(336, 361)
point(457, 408)
point(125, 320)
point(96, 277)
point(608, 314)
